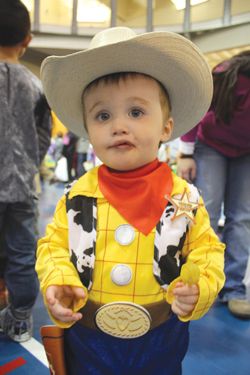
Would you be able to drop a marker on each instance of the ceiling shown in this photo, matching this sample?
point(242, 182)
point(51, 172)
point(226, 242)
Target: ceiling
point(216, 57)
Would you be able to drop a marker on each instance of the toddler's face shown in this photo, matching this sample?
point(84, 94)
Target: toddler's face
point(125, 122)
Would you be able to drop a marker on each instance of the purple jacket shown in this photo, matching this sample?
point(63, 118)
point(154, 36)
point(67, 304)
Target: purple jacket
point(233, 139)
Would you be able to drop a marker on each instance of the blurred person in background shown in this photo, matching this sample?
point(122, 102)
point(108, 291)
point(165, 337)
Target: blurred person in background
point(25, 127)
point(69, 152)
point(216, 157)
point(82, 148)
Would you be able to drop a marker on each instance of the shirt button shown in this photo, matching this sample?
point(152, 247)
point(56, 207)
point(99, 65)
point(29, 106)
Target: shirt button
point(121, 274)
point(124, 234)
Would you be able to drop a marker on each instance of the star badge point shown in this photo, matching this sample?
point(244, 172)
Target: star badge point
point(183, 206)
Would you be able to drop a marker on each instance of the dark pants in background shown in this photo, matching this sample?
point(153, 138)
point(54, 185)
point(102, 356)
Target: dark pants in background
point(18, 232)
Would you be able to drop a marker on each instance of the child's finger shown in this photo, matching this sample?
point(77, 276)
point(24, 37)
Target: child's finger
point(186, 290)
point(78, 292)
point(51, 294)
point(181, 310)
point(187, 300)
point(64, 314)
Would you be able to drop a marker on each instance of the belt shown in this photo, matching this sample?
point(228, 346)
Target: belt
point(124, 319)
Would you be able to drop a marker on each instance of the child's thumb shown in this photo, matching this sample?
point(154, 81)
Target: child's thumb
point(50, 295)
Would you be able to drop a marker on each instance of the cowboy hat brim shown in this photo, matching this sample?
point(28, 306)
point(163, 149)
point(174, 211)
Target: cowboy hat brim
point(168, 57)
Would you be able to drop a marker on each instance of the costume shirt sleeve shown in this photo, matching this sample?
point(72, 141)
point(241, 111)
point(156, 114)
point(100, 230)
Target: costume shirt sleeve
point(53, 264)
point(202, 247)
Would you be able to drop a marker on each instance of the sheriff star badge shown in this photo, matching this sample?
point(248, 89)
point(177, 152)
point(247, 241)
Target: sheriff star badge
point(183, 206)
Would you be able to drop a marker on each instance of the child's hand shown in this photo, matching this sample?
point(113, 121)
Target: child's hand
point(185, 298)
point(60, 302)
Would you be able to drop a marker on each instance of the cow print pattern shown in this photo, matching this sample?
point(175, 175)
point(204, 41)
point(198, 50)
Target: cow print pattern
point(169, 239)
point(81, 213)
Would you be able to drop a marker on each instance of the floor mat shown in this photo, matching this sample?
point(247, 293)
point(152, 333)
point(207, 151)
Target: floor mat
point(17, 359)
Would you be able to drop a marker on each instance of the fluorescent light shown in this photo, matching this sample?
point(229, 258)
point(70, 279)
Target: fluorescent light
point(181, 4)
point(68, 3)
point(92, 11)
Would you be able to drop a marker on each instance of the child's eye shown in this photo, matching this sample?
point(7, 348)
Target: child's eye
point(103, 116)
point(136, 112)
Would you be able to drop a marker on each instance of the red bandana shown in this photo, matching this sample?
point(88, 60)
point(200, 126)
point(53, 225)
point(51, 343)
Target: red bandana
point(139, 196)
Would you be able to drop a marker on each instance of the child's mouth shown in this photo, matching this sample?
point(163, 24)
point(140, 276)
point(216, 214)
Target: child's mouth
point(122, 145)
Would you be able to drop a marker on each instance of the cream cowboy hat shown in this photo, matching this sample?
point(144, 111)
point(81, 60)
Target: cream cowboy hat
point(170, 58)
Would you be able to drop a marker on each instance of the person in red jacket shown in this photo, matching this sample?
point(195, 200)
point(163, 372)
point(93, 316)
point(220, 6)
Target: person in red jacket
point(216, 156)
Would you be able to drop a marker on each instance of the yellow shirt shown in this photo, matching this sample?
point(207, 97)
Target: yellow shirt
point(55, 268)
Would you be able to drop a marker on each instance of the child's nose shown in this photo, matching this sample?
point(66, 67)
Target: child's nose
point(119, 126)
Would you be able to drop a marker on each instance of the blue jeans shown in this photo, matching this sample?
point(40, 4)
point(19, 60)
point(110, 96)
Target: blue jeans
point(227, 180)
point(18, 241)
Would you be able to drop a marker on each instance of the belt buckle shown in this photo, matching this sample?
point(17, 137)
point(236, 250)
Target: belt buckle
point(125, 320)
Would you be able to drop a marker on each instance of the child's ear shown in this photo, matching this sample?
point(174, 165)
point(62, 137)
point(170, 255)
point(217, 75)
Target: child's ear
point(167, 130)
point(24, 44)
point(26, 41)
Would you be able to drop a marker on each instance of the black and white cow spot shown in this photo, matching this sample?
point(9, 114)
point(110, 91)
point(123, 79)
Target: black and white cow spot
point(83, 261)
point(169, 211)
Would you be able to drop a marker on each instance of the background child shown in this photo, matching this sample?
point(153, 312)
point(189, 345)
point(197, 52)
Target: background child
point(111, 259)
point(25, 137)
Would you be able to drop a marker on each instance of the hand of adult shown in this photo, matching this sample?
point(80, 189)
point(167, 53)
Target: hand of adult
point(186, 168)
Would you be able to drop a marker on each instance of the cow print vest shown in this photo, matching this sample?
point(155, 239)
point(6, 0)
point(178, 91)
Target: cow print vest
point(170, 236)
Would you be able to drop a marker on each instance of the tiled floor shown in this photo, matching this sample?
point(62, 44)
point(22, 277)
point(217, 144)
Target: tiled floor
point(219, 343)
